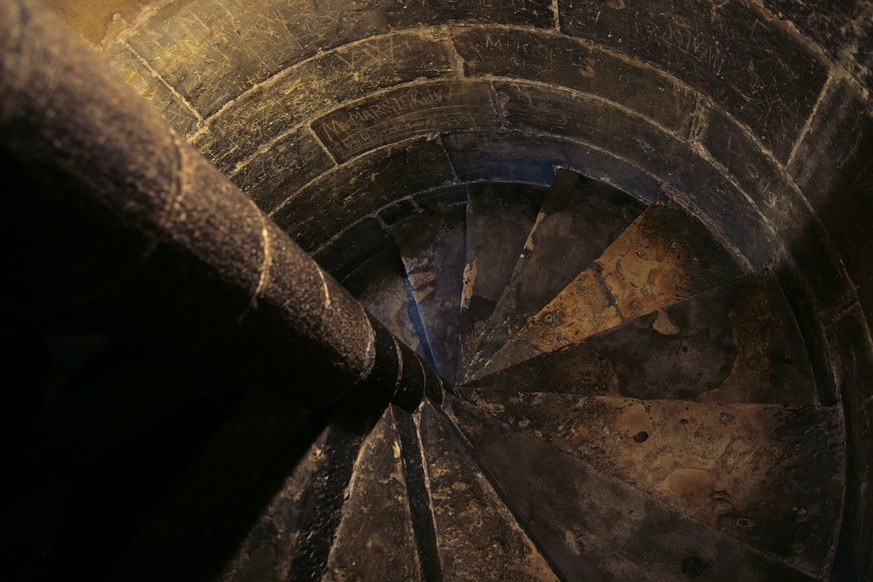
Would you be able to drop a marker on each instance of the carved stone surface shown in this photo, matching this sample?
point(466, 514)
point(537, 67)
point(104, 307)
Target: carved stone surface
point(771, 476)
point(736, 343)
point(478, 538)
point(578, 219)
point(376, 493)
point(594, 526)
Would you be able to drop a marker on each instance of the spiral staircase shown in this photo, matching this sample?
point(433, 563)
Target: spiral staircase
point(631, 405)
point(645, 380)
point(628, 403)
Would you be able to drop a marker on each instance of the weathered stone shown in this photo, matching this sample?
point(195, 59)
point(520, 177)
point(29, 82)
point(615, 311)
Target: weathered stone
point(238, 43)
point(663, 257)
point(781, 203)
point(841, 28)
point(328, 205)
point(812, 328)
point(737, 343)
point(578, 214)
point(270, 177)
point(839, 183)
point(432, 248)
point(376, 494)
point(770, 476)
point(532, 157)
point(850, 339)
point(442, 198)
point(218, 492)
point(683, 173)
point(538, 13)
point(477, 536)
point(560, 60)
point(406, 112)
point(176, 113)
point(274, 108)
point(344, 253)
point(398, 212)
point(766, 77)
point(266, 551)
point(595, 527)
point(381, 285)
point(499, 219)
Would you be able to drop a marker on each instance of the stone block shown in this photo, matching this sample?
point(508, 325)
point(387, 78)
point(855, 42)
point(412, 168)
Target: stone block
point(851, 344)
point(239, 43)
point(778, 199)
point(404, 113)
point(560, 60)
point(533, 157)
point(398, 212)
point(838, 27)
point(405, 13)
point(354, 245)
point(140, 78)
point(737, 54)
point(272, 176)
point(832, 167)
point(442, 198)
point(320, 84)
point(687, 176)
point(339, 198)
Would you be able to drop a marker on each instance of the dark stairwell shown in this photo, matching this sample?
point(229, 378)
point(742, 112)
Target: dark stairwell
point(631, 236)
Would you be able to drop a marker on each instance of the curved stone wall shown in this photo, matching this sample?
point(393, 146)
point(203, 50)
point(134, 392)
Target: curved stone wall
point(341, 118)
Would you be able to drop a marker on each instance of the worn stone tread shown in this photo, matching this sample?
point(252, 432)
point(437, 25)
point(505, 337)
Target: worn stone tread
point(594, 526)
point(579, 218)
point(374, 540)
point(477, 536)
point(499, 219)
point(768, 475)
point(380, 284)
point(666, 255)
point(737, 343)
point(432, 248)
point(291, 538)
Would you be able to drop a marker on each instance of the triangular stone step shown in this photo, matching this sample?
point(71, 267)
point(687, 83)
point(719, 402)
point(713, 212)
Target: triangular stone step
point(665, 256)
point(737, 343)
point(768, 475)
point(578, 219)
point(596, 527)
point(499, 219)
point(432, 246)
point(375, 540)
point(290, 539)
point(477, 536)
point(381, 285)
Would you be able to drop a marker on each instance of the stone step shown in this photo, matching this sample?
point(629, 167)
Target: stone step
point(381, 285)
point(375, 539)
point(768, 475)
point(594, 526)
point(499, 218)
point(737, 343)
point(432, 246)
point(477, 536)
point(665, 256)
point(579, 218)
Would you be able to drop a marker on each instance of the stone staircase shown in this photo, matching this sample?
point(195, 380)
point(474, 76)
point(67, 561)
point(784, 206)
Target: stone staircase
point(633, 405)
